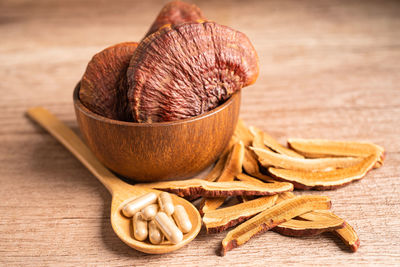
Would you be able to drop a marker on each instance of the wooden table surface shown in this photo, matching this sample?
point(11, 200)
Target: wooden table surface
point(329, 69)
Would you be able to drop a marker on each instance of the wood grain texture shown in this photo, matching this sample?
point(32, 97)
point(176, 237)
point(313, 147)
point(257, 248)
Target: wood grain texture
point(329, 69)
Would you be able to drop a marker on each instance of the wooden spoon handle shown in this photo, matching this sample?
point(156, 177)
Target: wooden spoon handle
point(74, 144)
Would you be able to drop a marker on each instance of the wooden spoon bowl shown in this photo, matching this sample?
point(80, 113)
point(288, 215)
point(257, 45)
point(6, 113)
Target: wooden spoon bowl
point(121, 192)
point(149, 152)
point(122, 226)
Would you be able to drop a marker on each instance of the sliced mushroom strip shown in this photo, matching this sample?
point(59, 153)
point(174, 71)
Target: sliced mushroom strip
point(250, 179)
point(346, 234)
point(268, 158)
point(218, 220)
point(243, 133)
point(250, 164)
point(264, 221)
point(318, 148)
point(258, 140)
point(198, 187)
point(233, 166)
point(349, 237)
point(323, 221)
point(325, 180)
point(217, 169)
point(273, 144)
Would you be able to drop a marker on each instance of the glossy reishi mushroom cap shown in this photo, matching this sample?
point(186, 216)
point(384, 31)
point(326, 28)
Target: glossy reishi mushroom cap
point(174, 13)
point(185, 70)
point(103, 86)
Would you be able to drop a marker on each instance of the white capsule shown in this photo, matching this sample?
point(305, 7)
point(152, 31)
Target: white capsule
point(155, 235)
point(139, 227)
point(138, 203)
point(149, 212)
point(165, 202)
point(168, 227)
point(182, 219)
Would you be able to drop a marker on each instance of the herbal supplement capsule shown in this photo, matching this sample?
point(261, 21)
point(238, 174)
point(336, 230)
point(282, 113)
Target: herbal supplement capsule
point(138, 203)
point(139, 227)
point(165, 202)
point(168, 227)
point(149, 212)
point(155, 235)
point(182, 219)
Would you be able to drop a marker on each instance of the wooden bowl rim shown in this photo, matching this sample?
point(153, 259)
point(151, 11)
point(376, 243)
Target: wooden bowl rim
point(78, 104)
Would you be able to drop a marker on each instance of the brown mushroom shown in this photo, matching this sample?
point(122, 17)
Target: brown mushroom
point(174, 13)
point(103, 87)
point(185, 70)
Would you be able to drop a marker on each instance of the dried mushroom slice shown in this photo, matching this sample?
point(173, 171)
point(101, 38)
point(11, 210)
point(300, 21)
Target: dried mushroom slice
point(349, 237)
point(258, 140)
point(250, 163)
point(217, 169)
point(324, 221)
point(267, 158)
point(323, 180)
point(243, 133)
point(247, 178)
point(250, 166)
point(174, 13)
point(103, 87)
point(198, 187)
point(273, 144)
point(269, 218)
point(183, 71)
point(221, 219)
point(233, 166)
point(319, 148)
point(346, 233)
point(264, 179)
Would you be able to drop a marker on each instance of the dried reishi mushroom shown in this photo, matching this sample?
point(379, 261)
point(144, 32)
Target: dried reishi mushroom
point(103, 88)
point(243, 133)
point(319, 148)
point(208, 204)
point(323, 222)
point(246, 178)
point(323, 180)
point(217, 169)
point(198, 187)
point(185, 70)
point(233, 166)
point(243, 199)
point(349, 237)
point(273, 144)
point(221, 163)
point(347, 233)
point(267, 158)
point(250, 163)
point(269, 218)
point(250, 166)
point(174, 13)
point(219, 220)
point(258, 140)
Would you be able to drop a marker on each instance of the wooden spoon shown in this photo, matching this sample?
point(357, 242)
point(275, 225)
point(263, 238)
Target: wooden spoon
point(121, 192)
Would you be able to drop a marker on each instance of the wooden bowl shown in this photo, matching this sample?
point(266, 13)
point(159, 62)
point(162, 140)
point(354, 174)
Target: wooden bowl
point(148, 152)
